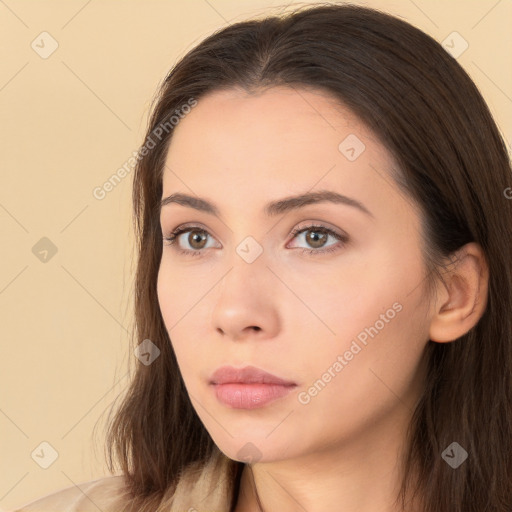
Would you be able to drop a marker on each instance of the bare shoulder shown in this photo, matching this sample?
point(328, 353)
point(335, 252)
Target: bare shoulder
point(89, 496)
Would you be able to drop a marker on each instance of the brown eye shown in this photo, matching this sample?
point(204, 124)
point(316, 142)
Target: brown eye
point(194, 244)
point(316, 238)
point(197, 239)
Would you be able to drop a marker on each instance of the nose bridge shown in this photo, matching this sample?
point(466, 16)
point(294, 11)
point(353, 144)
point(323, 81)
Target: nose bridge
point(247, 263)
point(250, 250)
point(245, 298)
point(251, 242)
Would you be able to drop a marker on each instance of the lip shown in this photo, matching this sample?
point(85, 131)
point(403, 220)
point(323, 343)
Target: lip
point(246, 375)
point(248, 387)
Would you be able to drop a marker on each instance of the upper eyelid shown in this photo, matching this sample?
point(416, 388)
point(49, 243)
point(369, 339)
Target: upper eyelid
point(189, 227)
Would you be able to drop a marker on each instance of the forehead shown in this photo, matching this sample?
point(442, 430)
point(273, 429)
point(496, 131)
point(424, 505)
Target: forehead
point(239, 146)
point(279, 117)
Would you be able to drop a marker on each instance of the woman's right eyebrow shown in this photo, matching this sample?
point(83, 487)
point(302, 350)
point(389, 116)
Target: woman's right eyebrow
point(273, 208)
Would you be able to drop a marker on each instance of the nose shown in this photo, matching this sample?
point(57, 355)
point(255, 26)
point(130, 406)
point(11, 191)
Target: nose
point(246, 304)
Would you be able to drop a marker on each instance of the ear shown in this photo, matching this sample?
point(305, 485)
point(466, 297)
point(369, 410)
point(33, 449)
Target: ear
point(462, 296)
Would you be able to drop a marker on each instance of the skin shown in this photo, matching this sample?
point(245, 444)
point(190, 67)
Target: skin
point(343, 447)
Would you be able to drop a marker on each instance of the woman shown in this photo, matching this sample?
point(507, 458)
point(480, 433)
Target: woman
point(340, 337)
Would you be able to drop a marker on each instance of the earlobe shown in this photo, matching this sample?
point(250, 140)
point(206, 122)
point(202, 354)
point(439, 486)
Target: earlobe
point(462, 298)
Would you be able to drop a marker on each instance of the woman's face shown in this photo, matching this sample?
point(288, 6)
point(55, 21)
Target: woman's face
point(345, 320)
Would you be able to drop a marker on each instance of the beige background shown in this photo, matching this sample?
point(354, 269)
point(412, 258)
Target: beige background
point(68, 122)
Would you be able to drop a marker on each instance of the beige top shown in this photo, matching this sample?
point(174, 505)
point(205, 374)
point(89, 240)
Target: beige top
point(198, 490)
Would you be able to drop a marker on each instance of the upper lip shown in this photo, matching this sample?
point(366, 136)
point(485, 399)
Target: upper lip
point(246, 375)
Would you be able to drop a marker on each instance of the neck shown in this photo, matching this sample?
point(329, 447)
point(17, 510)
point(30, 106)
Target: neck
point(364, 476)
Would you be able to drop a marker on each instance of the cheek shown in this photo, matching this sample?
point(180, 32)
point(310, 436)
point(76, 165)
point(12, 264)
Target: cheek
point(372, 363)
point(173, 300)
point(348, 296)
point(184, 306)
point(375, 298)
point(368, 283)
point(356, 384)
point(166, 292)
point(181, 289)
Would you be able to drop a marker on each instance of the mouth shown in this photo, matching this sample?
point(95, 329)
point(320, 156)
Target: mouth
point(246, 375)
point(248, 387)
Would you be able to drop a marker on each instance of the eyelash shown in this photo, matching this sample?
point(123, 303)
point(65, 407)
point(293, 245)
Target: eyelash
point(296, 231)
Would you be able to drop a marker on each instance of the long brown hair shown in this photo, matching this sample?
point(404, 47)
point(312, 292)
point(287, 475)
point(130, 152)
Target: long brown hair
point(452, 163)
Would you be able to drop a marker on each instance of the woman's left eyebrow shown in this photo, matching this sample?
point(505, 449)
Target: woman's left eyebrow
point(273, 208)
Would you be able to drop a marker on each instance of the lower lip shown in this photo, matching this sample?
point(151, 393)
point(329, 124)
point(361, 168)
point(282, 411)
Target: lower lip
point(249, 396)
